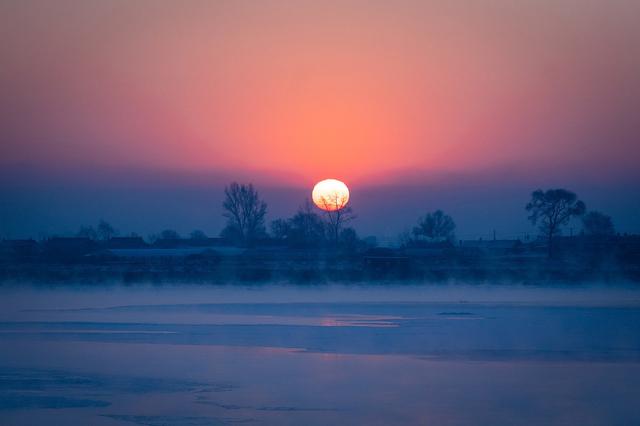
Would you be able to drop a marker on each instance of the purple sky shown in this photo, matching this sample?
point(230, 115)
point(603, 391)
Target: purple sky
point(140, 112)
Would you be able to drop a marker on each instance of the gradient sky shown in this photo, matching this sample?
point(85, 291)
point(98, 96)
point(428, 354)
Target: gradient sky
point(284, 93)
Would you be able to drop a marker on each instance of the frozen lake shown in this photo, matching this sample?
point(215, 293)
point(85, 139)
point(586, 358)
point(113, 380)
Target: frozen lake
point(269, 354)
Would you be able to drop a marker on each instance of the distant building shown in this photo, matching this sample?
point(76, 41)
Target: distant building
point(384, 257)
point(21, 249)
point(68, 248)
point(126, 243)
point(422, 248)
point(190, 242)
point(495, 247)
point(210, 242)
point(170, 243)
point(181, 252)
point(270, 243)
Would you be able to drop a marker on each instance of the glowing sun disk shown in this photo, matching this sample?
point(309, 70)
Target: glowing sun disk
point(330, 195)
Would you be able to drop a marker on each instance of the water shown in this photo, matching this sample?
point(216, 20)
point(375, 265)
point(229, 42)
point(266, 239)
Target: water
point(442, 355)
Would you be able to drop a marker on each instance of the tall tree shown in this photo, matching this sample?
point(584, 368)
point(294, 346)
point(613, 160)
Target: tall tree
point(304, 229)
point(596, 224)
point(552, 209)
point(435, 226)
point(245, 213)
point(337, 213)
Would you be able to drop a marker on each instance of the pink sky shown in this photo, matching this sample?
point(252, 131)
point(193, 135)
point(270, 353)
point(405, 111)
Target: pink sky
point(358, 90)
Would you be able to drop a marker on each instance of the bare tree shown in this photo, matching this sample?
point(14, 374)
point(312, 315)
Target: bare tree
point(553, 209)
point(245, 213)
point(404, 238)
point(87, 232)
point(337, 213)
point(436, 226)
point(106, 231)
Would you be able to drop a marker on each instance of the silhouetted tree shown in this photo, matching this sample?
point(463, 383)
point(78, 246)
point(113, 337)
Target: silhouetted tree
point(337, 213)
point(197, 235)
point(245, 213)
point(552, 209)
point(307, 228)
point(280, 229)
point(106, 231)
point(152, 238)
point(404, 238)
point(596, 224)
point(169, 234)
point(336, 220)
point(304, 229)
point(435, 226)
point(87, 232)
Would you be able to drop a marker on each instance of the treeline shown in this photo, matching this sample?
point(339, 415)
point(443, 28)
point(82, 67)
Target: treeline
point(314, 245)
point(245, 213)
point(550, 210)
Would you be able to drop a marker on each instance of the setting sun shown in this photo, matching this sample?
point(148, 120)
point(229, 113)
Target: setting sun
point(330, 195)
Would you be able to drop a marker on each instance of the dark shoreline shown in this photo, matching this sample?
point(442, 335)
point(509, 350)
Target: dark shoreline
point(355, 269)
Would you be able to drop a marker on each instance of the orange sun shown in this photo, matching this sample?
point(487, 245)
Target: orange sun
point(330, 195)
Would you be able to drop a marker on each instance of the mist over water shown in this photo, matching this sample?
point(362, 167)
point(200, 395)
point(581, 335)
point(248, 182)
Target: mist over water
point(320, 354)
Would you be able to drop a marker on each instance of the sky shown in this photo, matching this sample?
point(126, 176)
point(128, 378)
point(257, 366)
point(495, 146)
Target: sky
point(140, 112)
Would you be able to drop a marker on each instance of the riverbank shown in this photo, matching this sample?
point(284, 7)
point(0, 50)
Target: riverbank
point(316, 268)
